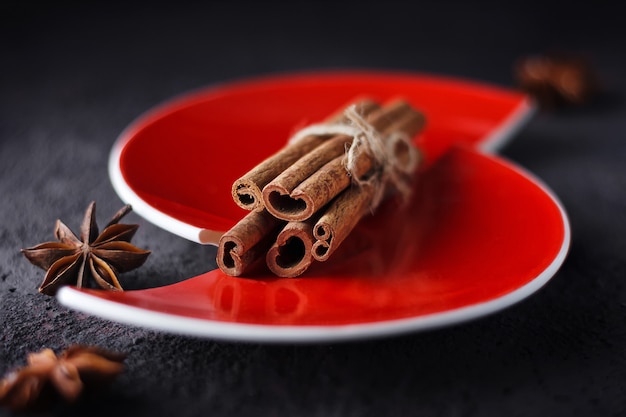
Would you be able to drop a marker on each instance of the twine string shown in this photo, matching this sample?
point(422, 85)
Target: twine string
point(387, 168)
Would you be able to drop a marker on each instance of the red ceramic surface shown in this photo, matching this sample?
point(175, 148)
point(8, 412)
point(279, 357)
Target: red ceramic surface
point(478, 235)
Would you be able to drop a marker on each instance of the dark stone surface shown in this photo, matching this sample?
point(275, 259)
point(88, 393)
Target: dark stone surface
point(73, 76)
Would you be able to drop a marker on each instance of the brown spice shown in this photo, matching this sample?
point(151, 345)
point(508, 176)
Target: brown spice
point(304, 188)
point(342, 215)
point(101, 256)
point(556, 80)
point(290, 255)
point(339, 219)
point(247, 241)
point(48, 377)
point(247, 190)
point(298, 244)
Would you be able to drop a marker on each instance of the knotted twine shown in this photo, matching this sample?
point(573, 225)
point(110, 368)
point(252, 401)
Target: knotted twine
point(388, 168)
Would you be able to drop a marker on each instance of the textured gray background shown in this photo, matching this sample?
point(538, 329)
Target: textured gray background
point(73, 76)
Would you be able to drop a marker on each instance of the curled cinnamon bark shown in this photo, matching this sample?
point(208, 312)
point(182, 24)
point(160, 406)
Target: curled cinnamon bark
point(303, 189)
point(291, 255)
point(247, 241)
point(247, 190)
point(345, 211)
point(339, 220)
point(314, 201)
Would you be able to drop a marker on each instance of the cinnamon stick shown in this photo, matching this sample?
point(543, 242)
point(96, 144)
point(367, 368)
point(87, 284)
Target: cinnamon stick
point(291, 254)
point(247, 241)
point(289, 200)
point(340, 219)
point(344, 212)
point(247, 190)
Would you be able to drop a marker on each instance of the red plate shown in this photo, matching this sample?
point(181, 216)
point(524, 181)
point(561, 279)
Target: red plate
point(479, 235)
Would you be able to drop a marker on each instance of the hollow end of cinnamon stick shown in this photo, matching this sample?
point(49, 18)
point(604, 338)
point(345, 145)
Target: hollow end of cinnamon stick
point(234, 259)
point(289, 207)
point(229, 257)
point(247, 242)
point(288, 257)
point(291, 255)
point(321, 231)
point(247, 195)
point(321, 250)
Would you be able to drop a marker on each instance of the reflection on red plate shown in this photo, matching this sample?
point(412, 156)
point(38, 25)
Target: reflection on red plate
point(478, 235)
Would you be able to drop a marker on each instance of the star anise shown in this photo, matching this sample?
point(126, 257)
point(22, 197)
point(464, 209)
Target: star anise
point(47, 377)
point(556, 80)
point(101, 256)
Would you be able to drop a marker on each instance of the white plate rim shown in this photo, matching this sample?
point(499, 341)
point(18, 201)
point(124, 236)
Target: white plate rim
point(233, 331)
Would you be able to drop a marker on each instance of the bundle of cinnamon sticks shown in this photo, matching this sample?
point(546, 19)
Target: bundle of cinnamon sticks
point(307, 198)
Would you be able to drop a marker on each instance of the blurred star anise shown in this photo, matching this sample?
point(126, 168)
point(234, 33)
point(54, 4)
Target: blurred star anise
point(47, 377)
point(101, 256)
point(556, 80)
